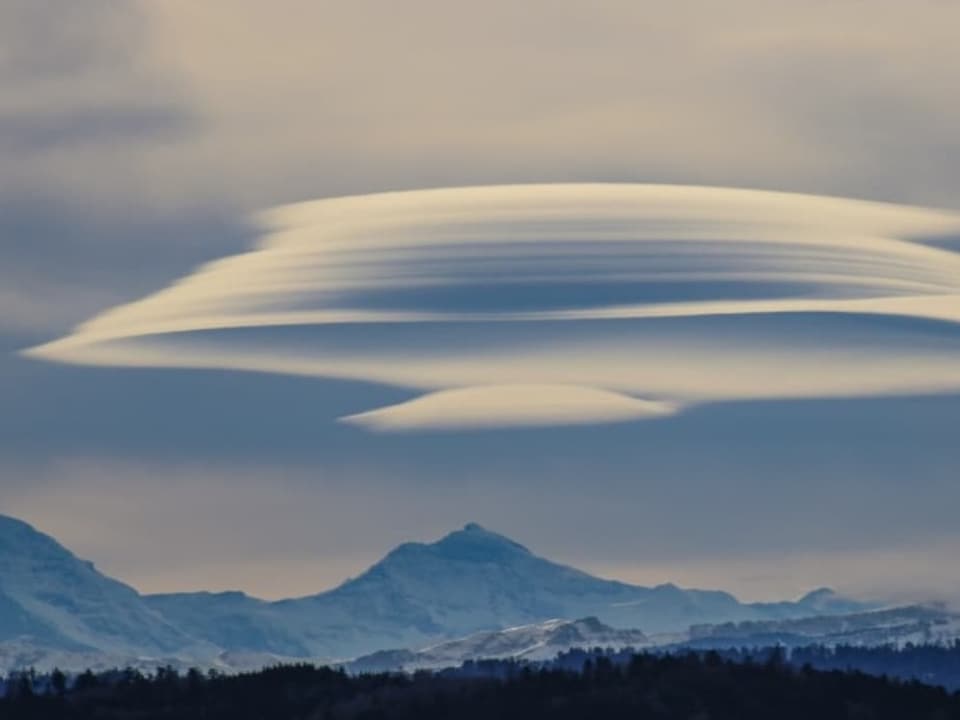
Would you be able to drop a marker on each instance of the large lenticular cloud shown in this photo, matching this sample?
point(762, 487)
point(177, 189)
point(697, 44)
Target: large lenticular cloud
point(556, 304)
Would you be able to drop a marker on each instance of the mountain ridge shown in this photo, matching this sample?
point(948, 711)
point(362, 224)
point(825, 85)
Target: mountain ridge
point(545, 641)
point(470, 580)
point(50, 595)
point(418, 594)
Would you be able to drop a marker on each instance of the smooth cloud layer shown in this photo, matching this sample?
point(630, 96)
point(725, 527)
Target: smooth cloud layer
point(510, 405)
point(614, 293)
point(370, 95)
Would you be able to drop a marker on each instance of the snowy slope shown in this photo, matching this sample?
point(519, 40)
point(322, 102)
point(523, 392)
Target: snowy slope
point(52, 599)
point(541, 641)
point(232, 621)
point(892, 626)
point(472, 580)
point(544, 641)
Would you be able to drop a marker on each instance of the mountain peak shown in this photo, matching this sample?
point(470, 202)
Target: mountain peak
point(10, 521)
point(54, 598)
point(821, 593)
point(473, 545)
point(824, 598)
point(475, 542)
point(22, 539)
point(11, 525)
point(827, 601)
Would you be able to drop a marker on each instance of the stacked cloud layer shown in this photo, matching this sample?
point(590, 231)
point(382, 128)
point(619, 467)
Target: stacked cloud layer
point(548, 304)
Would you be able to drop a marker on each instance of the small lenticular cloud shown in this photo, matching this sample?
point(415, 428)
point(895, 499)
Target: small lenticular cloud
point(510, 405)
point(560, 304)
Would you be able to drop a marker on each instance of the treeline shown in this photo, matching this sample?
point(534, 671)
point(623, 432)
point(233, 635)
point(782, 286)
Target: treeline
point(694, 686)
point(934, 664)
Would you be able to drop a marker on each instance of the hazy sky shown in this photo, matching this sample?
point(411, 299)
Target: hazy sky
point(137, 138)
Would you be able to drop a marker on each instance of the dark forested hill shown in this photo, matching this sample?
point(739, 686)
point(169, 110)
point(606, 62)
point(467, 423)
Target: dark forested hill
point(689, 687)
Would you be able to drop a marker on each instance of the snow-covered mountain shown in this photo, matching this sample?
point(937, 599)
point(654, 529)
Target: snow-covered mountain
point(541, 641)
point(469, 581)
point(54, 605)
point(51, 599)
point(892, 626)
point(544, 641)
point(237, 623)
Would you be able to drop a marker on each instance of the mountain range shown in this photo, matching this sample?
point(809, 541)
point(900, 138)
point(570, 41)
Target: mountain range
point(58, 609)
point(915, 624)
point(540, 641)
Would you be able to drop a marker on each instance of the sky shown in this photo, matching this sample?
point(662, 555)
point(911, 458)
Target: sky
point(142, 140)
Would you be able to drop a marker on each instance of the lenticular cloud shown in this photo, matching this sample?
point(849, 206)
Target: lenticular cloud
point(557, 304)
